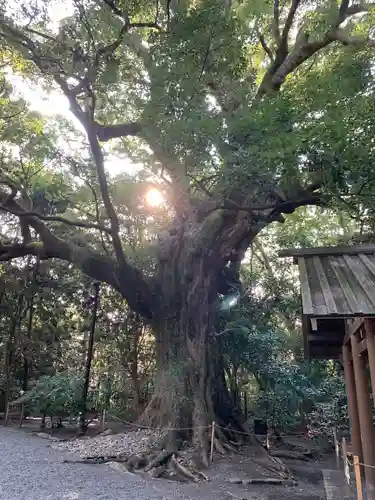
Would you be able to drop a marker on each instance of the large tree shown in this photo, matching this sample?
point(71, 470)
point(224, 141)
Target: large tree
point(241, 111)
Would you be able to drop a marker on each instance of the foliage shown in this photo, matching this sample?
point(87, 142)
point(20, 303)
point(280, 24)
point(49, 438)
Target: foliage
point(57, 395)
point(330, 410)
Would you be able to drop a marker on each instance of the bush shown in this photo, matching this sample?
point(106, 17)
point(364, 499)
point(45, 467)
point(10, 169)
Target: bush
point(56, 396)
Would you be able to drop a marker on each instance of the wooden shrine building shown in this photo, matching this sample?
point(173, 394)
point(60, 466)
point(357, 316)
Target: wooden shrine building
point(338, 322)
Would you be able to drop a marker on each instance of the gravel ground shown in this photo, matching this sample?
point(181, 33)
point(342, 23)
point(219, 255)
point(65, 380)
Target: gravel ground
point(133, 442)
point(31, 470)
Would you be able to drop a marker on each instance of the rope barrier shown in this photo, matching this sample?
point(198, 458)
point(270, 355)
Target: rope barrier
point(367, 465)
point(356, 469)
point(139, 426)
point(164, 428)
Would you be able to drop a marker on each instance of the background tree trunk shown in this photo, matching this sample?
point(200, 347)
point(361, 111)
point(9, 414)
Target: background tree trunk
point(82, 420)
point(27, 354)
point(10, 349)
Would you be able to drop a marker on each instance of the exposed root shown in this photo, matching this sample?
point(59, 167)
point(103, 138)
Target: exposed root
point(161, 459)
point(183, 471)
point(137, 462)
point(306, 456)
point(219, 447)
point(202, 475)
point(97, 460)
point(185, 465)
point(274, 464)
point(229, 447)
point(237, 444)
point(159, 471)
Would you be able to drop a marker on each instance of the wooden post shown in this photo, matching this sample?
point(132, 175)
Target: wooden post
point(365, 417)
point(345, 459)
point(358, 480)
point(212, 441)
point(355, 430)
point(6, 415)
point(103, 420)
point(337, 449)
point(22, 412)
point(369, 328)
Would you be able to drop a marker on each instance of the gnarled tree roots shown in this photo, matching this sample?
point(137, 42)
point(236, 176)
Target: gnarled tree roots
point(179, 462)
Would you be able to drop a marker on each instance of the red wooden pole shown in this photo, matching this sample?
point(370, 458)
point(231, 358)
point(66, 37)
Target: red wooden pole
point(369, 331)
point(365, 416)
point(355, 430)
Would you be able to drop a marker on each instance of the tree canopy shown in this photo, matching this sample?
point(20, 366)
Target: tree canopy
point(236, 114)
point(192, 94)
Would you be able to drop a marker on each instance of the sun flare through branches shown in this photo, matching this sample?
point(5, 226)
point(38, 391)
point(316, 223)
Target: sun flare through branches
point(154, 198)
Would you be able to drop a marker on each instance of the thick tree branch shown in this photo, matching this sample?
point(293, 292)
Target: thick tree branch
point(128, 280)
point(277, 208)
point(358, 8)
point(266, 49)
point(94, 265)
point(112, 5)
point(107, 132)
point(104, 190)
point(340, 35)
point(270, 211)
point(9, 252)
point(276, 21)
point(131, 281)
point(273, 82)
point(91, 131)
point(283, 45)
point(286, 62)
point(125, 16)
point(343, 11)
point(56, 218)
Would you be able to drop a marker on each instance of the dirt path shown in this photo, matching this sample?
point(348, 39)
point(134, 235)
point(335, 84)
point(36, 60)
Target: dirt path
point(30, 469)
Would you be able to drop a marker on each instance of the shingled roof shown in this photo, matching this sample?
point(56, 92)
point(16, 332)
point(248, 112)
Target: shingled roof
point(337, 283)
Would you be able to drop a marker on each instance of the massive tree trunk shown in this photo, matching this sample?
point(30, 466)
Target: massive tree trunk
point(190, 388)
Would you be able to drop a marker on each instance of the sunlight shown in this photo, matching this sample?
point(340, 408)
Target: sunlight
point(52, 104)
point(154, 198)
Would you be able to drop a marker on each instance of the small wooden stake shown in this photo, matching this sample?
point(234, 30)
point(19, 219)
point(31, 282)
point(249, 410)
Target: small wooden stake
point(103, 421)
point(212, 441)
point(245, 405)
point(6, 415)
point(358, 479)
point(22, 412)
point(345, 459)
point(337, 448)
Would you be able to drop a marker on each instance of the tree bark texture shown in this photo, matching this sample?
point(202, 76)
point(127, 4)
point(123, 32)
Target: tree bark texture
point(190, 386)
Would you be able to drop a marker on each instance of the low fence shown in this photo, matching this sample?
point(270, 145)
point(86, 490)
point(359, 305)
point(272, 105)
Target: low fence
point(16, 414)
point(347, 451)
